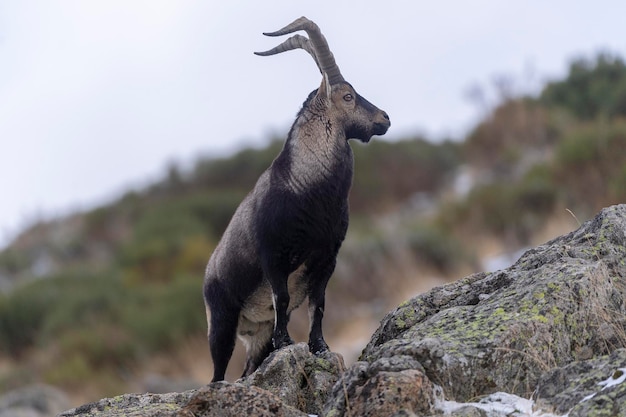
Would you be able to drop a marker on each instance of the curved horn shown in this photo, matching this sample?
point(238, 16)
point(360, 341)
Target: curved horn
point(295, 42)
point(325, 59)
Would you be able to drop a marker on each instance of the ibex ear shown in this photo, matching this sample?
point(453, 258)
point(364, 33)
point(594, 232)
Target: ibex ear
point(323, 93)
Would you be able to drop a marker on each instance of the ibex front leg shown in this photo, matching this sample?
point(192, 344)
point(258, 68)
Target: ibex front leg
point(319, 274)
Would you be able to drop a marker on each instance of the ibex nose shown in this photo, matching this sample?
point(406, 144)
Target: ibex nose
point(382, 123)
point(386, 122)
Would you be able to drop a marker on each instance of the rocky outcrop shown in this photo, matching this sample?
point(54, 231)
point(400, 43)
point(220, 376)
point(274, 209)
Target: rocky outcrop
point(215, 400)
point(298, 378)
point(544, 335)
point(585, 387)
point(290, 383)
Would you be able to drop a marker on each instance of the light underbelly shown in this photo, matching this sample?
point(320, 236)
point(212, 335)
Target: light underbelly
point(260, 306)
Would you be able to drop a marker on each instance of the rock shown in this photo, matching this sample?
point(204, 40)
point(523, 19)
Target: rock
point(551, 327)
point(134, 405)
point(223, 399)
point(291, 382)
point(389, 386)
point(297, 377)
point(469, 411)
point(585, 387)
point(33, 401)
point(500, 331)
point(219, 399)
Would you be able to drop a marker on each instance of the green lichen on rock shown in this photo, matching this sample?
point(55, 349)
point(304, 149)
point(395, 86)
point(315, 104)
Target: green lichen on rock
point(581, 388)
point(134, 405)
point(542, 312)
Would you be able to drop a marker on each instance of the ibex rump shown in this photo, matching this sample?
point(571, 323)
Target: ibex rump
point(282, 242)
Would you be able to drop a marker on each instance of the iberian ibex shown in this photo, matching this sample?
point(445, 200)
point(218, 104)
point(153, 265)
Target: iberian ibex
point(282, 242)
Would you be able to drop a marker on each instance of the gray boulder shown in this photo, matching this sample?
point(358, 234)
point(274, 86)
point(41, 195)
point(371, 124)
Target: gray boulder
point(595, 386)
point(219, 399)
point(222, 399)
point(292, 383)
point(298, 378)
point(501, 331)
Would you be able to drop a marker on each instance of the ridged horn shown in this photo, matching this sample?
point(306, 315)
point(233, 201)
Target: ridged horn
point(295, 42)
point(316, 45)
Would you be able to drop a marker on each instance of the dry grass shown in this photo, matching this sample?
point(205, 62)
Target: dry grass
point(607, 316)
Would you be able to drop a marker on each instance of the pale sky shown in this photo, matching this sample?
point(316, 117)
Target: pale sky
point(97, 96)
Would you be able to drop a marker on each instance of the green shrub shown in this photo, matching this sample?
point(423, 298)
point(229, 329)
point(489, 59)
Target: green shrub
point(39, 312)
point(165, 314)
point(165, 236)
point(389, 173)
point(91, 323)
point(78, 301)
point(13, 261)
point(516, 128)
point(70, 370)
point(510, 211)
point(593, 88)
point(589, 165)
point(436, 247)
point(238, 172)
point(22, 314)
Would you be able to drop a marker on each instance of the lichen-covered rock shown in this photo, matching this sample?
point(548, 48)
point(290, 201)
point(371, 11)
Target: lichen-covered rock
point(389, 386)
point(222, 399)
point(500, 331)
point(290, 382)
point(297, 377)
point(133, 405)
point(584, 388)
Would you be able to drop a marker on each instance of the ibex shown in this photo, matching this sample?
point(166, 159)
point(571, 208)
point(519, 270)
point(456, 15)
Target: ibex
point(282, 242)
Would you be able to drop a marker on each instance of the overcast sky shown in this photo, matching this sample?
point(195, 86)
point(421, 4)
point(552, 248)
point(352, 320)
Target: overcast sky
point(98, 95)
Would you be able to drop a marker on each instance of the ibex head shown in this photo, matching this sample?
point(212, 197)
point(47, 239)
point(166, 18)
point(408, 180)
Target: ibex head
point(359, 118)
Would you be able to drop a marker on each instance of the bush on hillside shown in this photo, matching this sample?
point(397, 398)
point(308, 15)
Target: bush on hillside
point(387, 174)
point(91, 323)
point(590, 163)
point(507, 210)
point(593, 88)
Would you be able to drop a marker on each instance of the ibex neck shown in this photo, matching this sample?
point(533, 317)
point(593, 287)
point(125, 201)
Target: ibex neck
point(318, 153)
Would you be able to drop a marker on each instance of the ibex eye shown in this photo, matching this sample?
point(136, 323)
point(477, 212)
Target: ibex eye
point(348, 97)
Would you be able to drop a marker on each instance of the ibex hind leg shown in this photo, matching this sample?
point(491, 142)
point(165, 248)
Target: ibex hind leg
point(222, 335)
point(222, 318)
point(280, 293)
point(258, 344)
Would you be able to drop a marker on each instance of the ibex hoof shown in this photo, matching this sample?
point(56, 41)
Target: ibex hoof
point(317, 347)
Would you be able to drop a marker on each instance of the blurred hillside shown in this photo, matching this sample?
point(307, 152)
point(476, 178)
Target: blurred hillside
point(105, 301)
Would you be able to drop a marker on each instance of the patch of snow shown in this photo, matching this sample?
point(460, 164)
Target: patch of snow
point(495, 405)
point(612, 381)
point(588, 397)
point(502, 404)
point(616, 378)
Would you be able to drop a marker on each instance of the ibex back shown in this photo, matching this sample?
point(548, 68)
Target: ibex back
point(281, 244)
